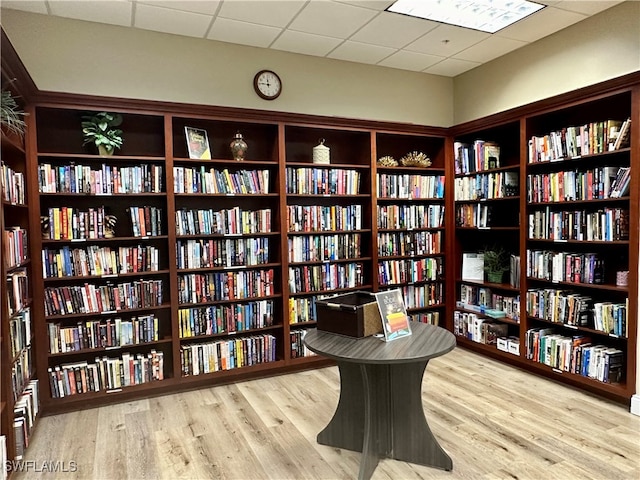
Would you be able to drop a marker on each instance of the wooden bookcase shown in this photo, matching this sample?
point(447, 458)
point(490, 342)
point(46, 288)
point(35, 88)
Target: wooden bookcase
point(410, 224)
point(227, 285)
point(18, 382)
point(328, 246)
point(524, 227)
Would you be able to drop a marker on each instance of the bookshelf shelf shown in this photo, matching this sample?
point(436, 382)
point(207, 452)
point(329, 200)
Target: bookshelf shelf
point(227, 268)
point(593, 286)
point(228, 302)
point(579, 328)
point(51, 318)
point(22, 264)
point(105, 277)
point(323, 262)
point(497, 319)
point(221, 162)
point(488, 170)
point(230, 334)
point(580, 242)
point(132, 346)
point(578, 202)
point(334, 291)
point(489, 200)
point(117, 158)
point(104, 240)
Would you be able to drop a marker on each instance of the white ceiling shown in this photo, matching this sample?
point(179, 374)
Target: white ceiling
point(352, 30)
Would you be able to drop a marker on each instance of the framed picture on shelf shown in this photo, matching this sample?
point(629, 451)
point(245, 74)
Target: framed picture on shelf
point(197, 143)
point(395, 321)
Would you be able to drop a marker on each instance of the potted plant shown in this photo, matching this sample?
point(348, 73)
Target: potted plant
point(11, 115)
point(99, 129)
point(496, 262)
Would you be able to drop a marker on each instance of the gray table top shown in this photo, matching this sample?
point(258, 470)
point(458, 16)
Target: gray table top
point(425, 342)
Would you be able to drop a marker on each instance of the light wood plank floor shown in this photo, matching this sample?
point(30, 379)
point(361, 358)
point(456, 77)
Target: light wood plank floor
point(495, 421)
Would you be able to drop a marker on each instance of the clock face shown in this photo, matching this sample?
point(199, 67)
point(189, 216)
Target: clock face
point(267, 84)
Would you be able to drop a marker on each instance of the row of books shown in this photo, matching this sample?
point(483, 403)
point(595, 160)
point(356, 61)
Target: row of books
point(328, 276)
point(409, 243)
point(571, 308)
point(146, 221)
point(407, 186)
point(232, 221)
point(303, 309)
point(17, 286)
point(105, 180)
point(394, 272)
point(13, 185)
point(321, 218)
point(478, 329)
point(22, 370)
point(98, 261)
point(220, 286)
point(576, 141)
point(487, 186)
point(508, 305)
point(322, 181)
point(576, 354)
point(69, 223)
point(202, 358)
point(227, 252)
point(408, 217)
point(20, 331)
point(16, 246)
point(298, 348)
point(474, 215)
point(322, 248)
point(565, 266)
point(217, 319)
point(214, 181)
point(606, 225)
point(431, 317)
point(25, 412)
point(89, 298)
point(476, 157)
point(420, 296)
point(106, 373)
point(109, 333)
point(566, 186)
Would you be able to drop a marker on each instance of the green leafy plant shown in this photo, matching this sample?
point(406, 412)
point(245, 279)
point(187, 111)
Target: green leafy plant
point(496, 261)
point(12, 115)
point(99, 129)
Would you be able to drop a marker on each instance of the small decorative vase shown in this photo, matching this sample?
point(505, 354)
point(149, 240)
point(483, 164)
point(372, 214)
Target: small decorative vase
point(321, 153)
point(104, 152)
point(238, 147)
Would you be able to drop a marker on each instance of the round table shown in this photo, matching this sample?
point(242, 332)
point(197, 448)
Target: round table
point(380, 411)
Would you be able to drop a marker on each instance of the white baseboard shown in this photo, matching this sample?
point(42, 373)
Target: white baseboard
point(635, 404)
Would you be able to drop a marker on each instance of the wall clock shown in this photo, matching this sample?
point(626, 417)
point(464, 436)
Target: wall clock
point(267, 84)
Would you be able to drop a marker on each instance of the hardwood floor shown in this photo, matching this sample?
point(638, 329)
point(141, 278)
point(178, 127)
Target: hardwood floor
point(496, 422)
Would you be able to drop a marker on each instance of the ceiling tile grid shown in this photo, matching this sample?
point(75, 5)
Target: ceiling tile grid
point(352, 30)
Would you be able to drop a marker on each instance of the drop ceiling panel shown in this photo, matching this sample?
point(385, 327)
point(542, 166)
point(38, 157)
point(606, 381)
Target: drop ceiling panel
point(168, 20)
point(205, 7)
point(114, 12)
point(306, 43)
point(361, 52)
point(37, 6)
point(545, 22)
point(450, 67)
point(273, 13)
point(410, 61)
point(447, 40)
point(233, 31)
point(488, 49)
point(331, 19)
point(393, 30)
point(590, 7)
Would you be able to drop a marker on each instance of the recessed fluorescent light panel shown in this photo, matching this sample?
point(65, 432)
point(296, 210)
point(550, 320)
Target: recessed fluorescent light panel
point(485, 15)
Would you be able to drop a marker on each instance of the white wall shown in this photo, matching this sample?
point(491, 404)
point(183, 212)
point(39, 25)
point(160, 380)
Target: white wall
point(82, 57)
point(599, 48)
